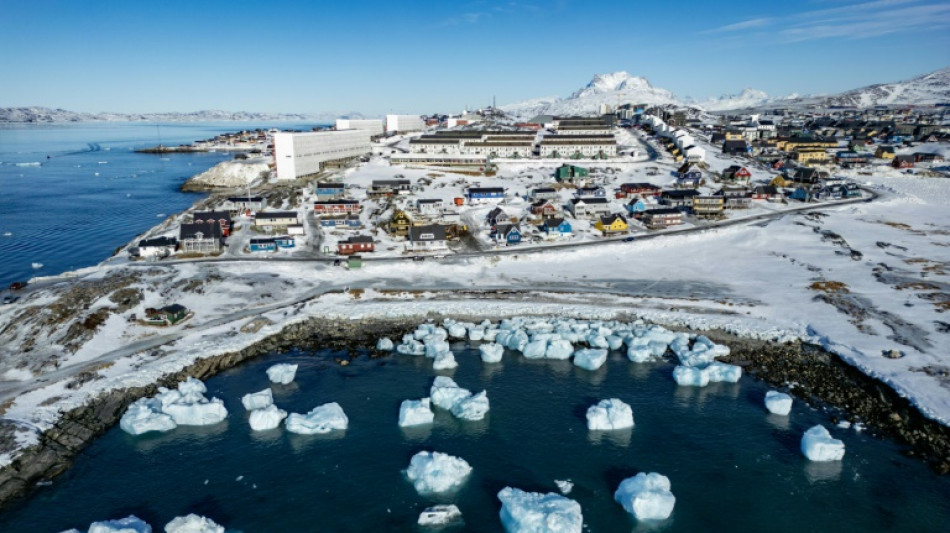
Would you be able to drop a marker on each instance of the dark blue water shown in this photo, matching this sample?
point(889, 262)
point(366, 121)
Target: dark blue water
point(93, 194)
point(733, 467)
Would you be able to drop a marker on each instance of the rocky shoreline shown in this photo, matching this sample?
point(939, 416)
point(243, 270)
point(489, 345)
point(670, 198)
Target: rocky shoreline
point(821, 379)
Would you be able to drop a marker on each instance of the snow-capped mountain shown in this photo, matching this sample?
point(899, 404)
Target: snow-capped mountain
point(48, 115)
point(927, 89)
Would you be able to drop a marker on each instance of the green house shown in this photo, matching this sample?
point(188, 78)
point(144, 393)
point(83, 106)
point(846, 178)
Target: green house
point(166, 316)
point(566, 171)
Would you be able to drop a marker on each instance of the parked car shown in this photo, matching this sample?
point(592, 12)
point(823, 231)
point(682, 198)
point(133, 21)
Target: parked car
point(629, 239)
point(10, 299)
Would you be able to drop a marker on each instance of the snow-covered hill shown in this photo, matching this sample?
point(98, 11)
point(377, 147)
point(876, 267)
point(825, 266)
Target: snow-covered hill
point(747, 98)
point(928, 89)
point(46, 114)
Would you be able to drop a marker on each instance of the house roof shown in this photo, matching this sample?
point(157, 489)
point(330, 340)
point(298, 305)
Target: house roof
point(207, 230)
point(357, 239)
point(239, 199)
point(553, 222)
point(174, 308)
point(663, 211)
point(430, 233)
point(576, 201)
point(324, 185)
point(158, 242)
point(284, 214)
point(212, 215)
point(611, 218)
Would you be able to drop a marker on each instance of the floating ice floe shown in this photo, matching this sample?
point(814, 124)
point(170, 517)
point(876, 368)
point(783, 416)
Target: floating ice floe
point(258, 400)
point(491, 352)
point(700, 376)
point(433, 472)
point(444, 361)
point(323, 419)
point(8, 234)
point(702, 353)
point(415, 413)
point(473, 407)
point(145, 415)
point(590, 358)
point(186, 406)
point(565, 486)
point(129, 524)
point(283, 373)
point(445, 393)
point(609, 415)
point(36, 266)
point(559, 349)
point(778, 403)
point(266, 418)
point(384, 345)
point(476, 334)
point(440, 515)
point(646, 496)
point(535, 349)
point(193, 524)
point(532, 512)
point(818, 445)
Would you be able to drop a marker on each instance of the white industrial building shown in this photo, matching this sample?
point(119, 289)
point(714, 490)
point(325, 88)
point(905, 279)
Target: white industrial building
point(374, 126)
point(303, 154)
point(404, 123)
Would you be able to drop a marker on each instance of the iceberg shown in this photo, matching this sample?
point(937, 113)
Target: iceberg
point(439, 515)
point(565, 486)
point(415, 413)
point(590, 358)
point(434, 472)
point(444, 361)
point(535, 349)
point(517, 340)
point(266, 418)
point(491, 334)
point(532, 512)
point(146, 415)
point(186, 406)
point(560, 349)
point(192, 524)
point(436, 347)
point(646, 496)
point(323, 419)
point(778, 403)
point(473, 407)
point(129, 524)
point(817, 445)
point(614, 342)
point(190, 411)
point(283, 373)
point(609, 415)
point(411, 347)
point(476, 334)
point(258, 400)
point(701, 376)
point(457, 330)
point(445, 393)
point(722, 372)
point(690, 376)
point(491, 352)
point(384, 344)
point(595, 340)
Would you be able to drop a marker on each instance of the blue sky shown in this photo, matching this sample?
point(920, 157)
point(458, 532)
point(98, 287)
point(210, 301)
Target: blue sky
point(426, 56)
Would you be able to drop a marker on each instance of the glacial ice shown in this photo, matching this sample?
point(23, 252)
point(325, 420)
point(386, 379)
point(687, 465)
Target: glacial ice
point(614, 342)
point(595, 340)
point(436, 347)
point(696, 376)
point(472, 407)
point(411, 347)
point(415, 413)
point(266, 418)
point(517, 340)
point(560, 349)
point(722, 372)
point(533, 512)
point(384, 344)
point(609, 415)
point(565, 485)
point(258, 400)
point(192, 524)
point(491, 334)
point(590, 358)
point(690, 376)
point(433, 472)
point(703, 352)
point(322, 419)
point(778, 403)
point(457, 330)
point(491, 352)
point(535, 349)
point(439, 515)
point(646, 496)
point(146, 415)
point(186, 406)
point(129, 524)
point(282, 373)
point(818, 445)
point(445, 393)
point(191, 411)
point(476, 334)
point(444, 361)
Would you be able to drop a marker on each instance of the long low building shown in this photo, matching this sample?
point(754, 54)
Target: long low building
point(303, 154)
point(404, 123)
point(554, 147)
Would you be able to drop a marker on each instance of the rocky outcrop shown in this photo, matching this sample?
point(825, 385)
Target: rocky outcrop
point(228, 175)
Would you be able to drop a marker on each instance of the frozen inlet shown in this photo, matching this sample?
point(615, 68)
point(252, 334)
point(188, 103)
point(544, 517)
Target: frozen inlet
point(433, 472)
point(778, 403)
point(439, 515)
point(609, 415)
point(283, 373)
point(491, 352)
point(323, 419)
point(646, 496)
point(590, 358)
point(532, 512)
point(192, 524)
point(473, 407)
point(415, 413)
point(258, 400)
point(817, 445)
point(267, 418)
point(129, 524)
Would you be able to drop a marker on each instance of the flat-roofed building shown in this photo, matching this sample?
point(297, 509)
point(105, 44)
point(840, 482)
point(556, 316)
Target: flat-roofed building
point(373, 125)
point(303, 154)
point(403, 123)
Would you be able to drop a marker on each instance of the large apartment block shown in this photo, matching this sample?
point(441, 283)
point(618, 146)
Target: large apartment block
point(303, 154)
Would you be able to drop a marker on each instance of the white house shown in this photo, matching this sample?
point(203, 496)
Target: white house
point(303, 154)
point(429, 206)
point(694, 154)
point(427, 238)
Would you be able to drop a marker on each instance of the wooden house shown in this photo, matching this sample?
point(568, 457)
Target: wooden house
point(355, 244)
point(612, 224)
point(166, 316)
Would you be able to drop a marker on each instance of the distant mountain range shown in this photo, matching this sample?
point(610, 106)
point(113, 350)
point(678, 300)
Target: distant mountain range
point(48, 115)
point(620, 87)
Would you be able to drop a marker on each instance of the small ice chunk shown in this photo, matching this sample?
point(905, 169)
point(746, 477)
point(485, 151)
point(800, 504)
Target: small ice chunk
point(560, 349)
point(817, 445)
point(192, 524)
point(722, 372)
point(609, 415)
point(323, 419)
point(535, 349)
point(517, 341)
point(283, 373)
point(491, 352)
point(444, 361)
point(565, 486)
point(646, 496)
point(436, 348)
point(614, 342)
point(266, 418)
point(445, 393)
point(192, 387)
point(415, 413)
point(258, 400)
point(411, 347)
point(472, 407)
point(491, 334)
point(146, 415)
point(457, 331)
point(433, 472)
point(690, 376)
point(384, 344)
point(778, 403)
point(533, 512)
point(201, 412)
point(129, 524)
point(590, 358)
point(440, 515)
point(476, 334)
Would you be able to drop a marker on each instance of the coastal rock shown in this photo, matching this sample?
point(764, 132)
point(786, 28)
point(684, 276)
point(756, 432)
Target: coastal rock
point(229, 175)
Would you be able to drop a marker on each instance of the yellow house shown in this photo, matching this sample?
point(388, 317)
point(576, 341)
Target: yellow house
point(808, 156)
point(778, 181)
point(733, 135)
point(612, 224)
point(399, 224)
point(884, 152)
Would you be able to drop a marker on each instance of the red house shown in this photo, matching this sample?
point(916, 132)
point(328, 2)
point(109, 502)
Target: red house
point(336, 207)
point(223, 218)
point(628, 190)
point(545, 208)
point(355, 244)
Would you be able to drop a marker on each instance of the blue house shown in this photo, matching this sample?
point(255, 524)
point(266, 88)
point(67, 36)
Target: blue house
point(484, 194)
point(556, 227)
point(801, 194)
point(263, 245)
point(347, 222)
point(285, 242)
point(508, 233)
point(330, 191)
point(636, 205)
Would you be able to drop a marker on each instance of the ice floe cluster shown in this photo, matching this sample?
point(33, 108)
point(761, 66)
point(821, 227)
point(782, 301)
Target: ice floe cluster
point(698, 366)
point(263, 415)
point(170, 408)
point(132, 524)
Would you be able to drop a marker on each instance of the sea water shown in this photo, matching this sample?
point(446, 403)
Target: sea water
point(732, 465)
point(73, 193)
